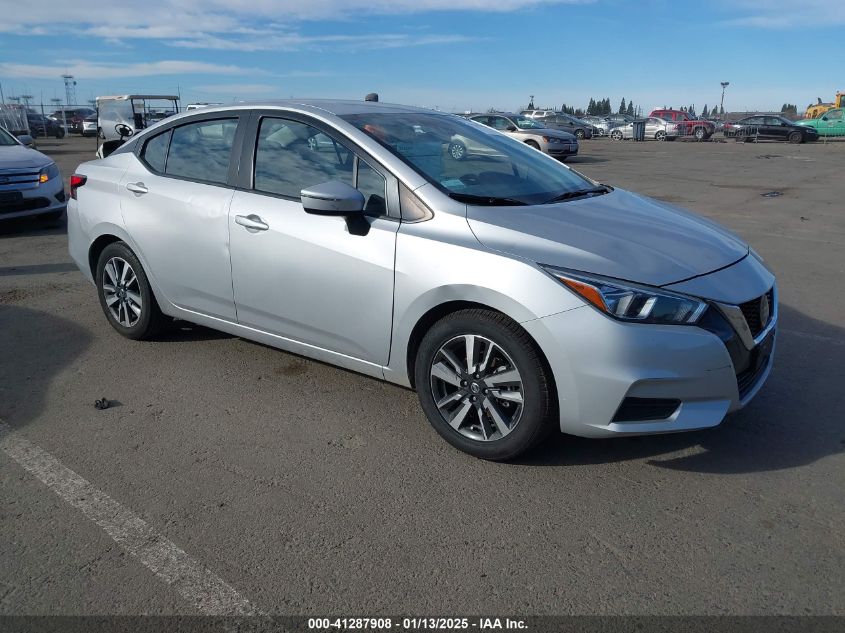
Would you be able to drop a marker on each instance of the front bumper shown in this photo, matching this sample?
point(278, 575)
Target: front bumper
point(560, 149)
point(600, 364)
point(27, 201)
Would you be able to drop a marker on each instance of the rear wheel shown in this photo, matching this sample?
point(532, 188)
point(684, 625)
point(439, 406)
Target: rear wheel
point(125, 294)
point(579, 134)
point(483, 384)
point(795, 137)
point(616, 135)
point(660, 135)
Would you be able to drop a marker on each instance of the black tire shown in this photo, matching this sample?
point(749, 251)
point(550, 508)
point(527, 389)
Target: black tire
point(579, 134)
point(457, 150)
point(151, 322)
point(533, 144)
point(539, 405)
point(795, 137)
point(60, 133)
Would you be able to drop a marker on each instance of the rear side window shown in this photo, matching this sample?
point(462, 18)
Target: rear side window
point(201, 151)
point(155, 151)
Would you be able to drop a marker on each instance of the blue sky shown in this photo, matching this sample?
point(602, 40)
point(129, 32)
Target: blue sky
point(452, 54)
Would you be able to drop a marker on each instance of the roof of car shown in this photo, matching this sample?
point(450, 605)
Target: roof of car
point(338, 107)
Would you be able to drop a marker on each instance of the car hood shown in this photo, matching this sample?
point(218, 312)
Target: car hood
point(619, 234)
point(548, 131)
point(20, 157)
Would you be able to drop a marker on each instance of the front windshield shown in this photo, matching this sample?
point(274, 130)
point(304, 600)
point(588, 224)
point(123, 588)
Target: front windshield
point(6, 138)
point(469, 161)
point(524, 123)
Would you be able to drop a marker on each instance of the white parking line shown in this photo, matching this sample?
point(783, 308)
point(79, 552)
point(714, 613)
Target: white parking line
point(209, 593)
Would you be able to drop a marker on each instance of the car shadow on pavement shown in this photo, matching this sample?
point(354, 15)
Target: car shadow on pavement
point(186, 332)
point(35, 347)
point(796, 418)
point(18, 227)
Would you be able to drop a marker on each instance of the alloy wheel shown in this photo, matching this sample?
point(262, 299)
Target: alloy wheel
point(477, 387)
point(122, 292)
point(457, 150)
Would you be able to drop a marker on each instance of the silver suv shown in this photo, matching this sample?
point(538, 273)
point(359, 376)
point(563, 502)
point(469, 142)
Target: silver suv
point(514, 294)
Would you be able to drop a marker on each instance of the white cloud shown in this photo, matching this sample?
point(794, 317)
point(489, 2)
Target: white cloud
point(94, 70)
point(785, 14)
point(244, 25)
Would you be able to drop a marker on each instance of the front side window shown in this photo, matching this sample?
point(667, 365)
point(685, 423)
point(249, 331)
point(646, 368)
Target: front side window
point(202, 150)
point(492, 169)
point(291, 156)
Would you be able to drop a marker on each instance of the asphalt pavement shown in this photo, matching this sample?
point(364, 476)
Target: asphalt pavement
point(286, 486)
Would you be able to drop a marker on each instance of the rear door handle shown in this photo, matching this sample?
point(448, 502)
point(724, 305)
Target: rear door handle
point(137, 187)
point(252, 221)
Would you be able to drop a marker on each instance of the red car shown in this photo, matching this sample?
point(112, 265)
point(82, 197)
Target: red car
point(687, 126)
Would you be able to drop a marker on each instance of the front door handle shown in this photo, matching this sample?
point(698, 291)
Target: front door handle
point(137, 187)
point(252, 221)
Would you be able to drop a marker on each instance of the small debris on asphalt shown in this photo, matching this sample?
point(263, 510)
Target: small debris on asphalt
point(102, 403)
point(772, 194)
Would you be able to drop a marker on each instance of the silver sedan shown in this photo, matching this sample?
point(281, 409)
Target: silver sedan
point(655, 128)
point(514, 294)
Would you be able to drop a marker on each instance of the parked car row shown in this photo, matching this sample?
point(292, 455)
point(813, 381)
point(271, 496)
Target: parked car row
point(72, 117)
point(532, 132)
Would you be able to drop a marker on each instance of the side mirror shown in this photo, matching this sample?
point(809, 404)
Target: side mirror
point(511, 128)
point(333, 198)
point(27, 140)
point(123, 130)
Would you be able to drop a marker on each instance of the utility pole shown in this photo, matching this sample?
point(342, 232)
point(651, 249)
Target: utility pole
point(70, 97)
point(725, 84)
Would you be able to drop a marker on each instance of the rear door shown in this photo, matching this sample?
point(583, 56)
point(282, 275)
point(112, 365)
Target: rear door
point(316, 280)
point(175, 203)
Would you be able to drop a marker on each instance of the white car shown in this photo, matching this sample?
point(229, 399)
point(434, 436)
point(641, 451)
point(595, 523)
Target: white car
point(657, 129)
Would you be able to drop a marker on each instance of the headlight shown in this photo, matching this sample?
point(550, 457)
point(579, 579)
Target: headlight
point(48, 173)
point(553, 139)
point(630, 302)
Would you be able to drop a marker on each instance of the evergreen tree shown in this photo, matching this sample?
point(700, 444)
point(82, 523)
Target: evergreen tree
point(622, 107)
point(721, 110)
point(591, 109)
point(607, 108)
point(691, 110)
point(705, 112)
point(630, 110)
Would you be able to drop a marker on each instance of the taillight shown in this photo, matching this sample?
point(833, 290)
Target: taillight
point(76, 181)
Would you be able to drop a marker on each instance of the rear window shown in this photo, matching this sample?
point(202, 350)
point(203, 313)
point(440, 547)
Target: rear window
point(155, 151)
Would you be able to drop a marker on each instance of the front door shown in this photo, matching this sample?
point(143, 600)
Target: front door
point(310, 278)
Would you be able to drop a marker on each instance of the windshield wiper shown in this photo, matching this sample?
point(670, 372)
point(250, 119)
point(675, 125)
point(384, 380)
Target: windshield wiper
point(579, 193)
point(487, 201)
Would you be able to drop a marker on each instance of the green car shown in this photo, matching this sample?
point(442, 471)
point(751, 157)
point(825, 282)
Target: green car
point(831, 123)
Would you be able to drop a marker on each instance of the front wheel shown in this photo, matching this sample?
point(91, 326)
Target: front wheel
point(533, 144)
point(579, 134)
point(458, 151)
point(125, 294)
point(660, 135)
point(700, 134)
point(795, 137)
point(616, 135)
point(483, 384)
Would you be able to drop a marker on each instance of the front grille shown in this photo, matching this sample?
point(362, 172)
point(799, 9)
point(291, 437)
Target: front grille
point(639, 409)
point(745, 380)
point(751, 312)
point(23, 204)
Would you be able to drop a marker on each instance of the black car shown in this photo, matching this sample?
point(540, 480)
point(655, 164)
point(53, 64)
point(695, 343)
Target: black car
point(40, 125)
point(769, 127)
point(73, 117)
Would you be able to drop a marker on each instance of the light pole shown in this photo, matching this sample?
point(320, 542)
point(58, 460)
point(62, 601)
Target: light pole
point(725, 84)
